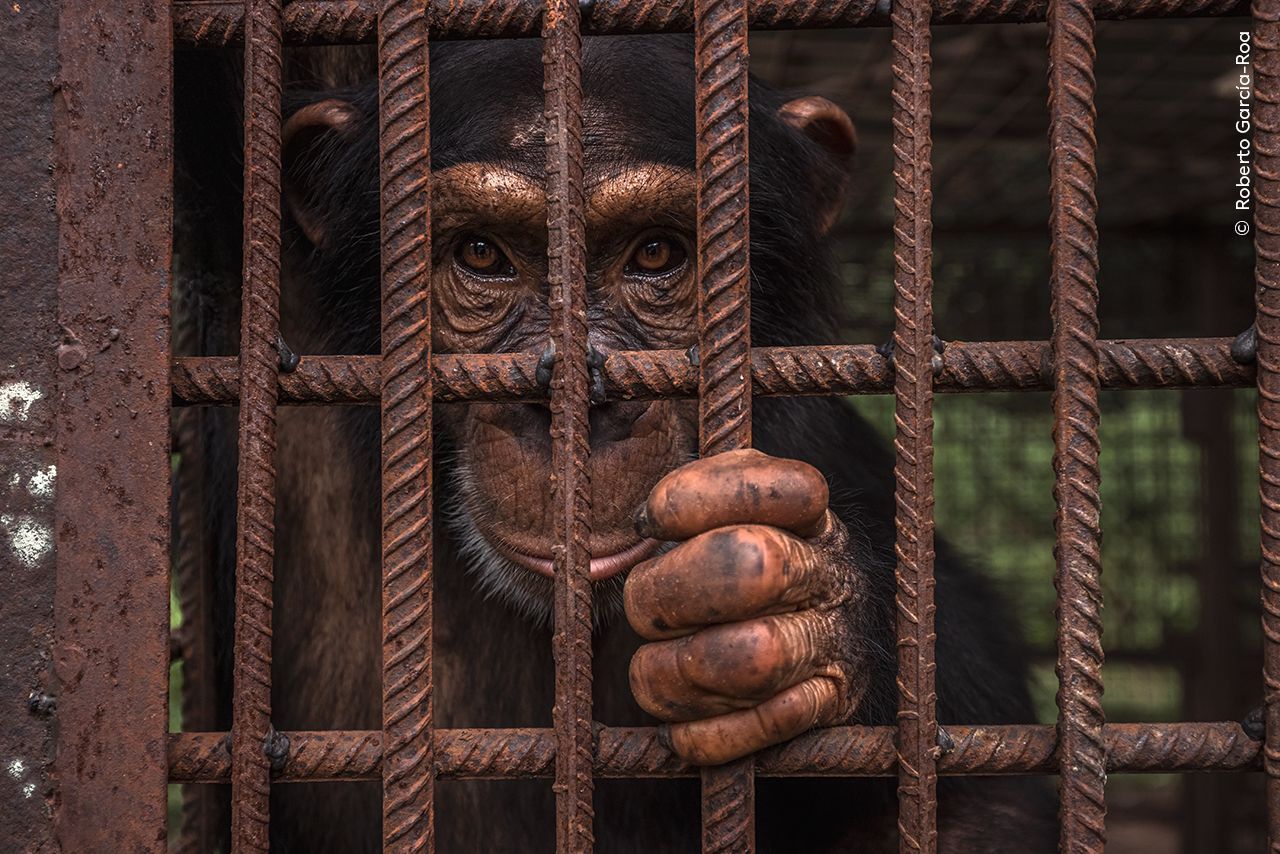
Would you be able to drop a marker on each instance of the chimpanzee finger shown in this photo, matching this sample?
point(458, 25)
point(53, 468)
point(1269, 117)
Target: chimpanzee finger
point(715, 741)
point(724, 576)
point(731, 667)
point(735, 488)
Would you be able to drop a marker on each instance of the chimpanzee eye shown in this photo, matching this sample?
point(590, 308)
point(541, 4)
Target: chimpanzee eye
point(480, 256)
point(656, 256)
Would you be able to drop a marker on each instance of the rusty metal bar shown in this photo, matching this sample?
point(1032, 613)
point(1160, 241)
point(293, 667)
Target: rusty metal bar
point(1266, 144)
point(408, 769)
point(828, 370)
point(631, 753)
point(203, 24)
point(917, 742)
point(1074, 273)
point(570, 447)
point(724, 323)
point(255, 490)
point(111, 501)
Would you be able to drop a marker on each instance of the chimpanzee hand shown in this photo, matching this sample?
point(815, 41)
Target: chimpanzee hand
point(750, 618)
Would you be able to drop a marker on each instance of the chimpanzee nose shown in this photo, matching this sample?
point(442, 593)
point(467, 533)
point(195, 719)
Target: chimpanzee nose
point(611, 422)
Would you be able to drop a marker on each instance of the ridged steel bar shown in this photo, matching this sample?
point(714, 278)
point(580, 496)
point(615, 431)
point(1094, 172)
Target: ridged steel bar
point(314, 22)
point(408, 768)
point(1266, 146)
point(643, 375)
point(917, 741)
point(255, 494)
point(724, 323)
point(570, 446)
point(1074, 274)
point(630, 753)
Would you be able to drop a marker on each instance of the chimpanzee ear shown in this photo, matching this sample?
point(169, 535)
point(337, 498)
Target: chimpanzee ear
point(832, 129)
point(306, 136)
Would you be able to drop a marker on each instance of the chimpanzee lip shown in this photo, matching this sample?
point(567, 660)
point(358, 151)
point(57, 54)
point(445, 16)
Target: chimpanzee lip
point(600, 568)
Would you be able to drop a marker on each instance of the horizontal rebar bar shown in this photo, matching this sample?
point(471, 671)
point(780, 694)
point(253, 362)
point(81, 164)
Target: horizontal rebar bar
point(777, 371)
point(316, 22)
point(638, 753)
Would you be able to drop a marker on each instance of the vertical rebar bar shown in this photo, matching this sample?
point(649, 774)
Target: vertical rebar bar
point(724, 323)
point(255, 493)
point(917, 742)
point(1266, 147)
point(1074, 234)
point(566, 277)
point(408, 767)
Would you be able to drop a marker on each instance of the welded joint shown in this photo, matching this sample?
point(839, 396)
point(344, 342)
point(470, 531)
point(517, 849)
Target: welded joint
point(595, 371)
point(1244, 347)
point(276, 747)
point(546, 367)
point(1254, 724)
point(288, 360)
point(936, 362)
point(946, 743)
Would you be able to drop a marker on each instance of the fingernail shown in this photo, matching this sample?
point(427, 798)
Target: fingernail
point(643, 526)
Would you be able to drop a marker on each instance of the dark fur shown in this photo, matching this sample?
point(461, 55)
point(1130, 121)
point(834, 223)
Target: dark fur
point(491, 668)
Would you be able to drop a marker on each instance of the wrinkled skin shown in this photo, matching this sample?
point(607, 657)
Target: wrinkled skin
point(741, 600)
point(749, 641)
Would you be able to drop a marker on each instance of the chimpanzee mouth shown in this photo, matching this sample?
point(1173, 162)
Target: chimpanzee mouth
point(602, 567)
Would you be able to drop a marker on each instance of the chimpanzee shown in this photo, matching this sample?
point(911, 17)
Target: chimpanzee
point(741, 599)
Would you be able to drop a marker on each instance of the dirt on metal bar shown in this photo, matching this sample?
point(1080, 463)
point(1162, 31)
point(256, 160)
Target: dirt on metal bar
point(724, 323)
point(1074, 273)
point(1266, 143)
point(108, 546)
point(566, 276)
point(917, 737)
point(317, 22)
point(408, 768)
point(255, 491)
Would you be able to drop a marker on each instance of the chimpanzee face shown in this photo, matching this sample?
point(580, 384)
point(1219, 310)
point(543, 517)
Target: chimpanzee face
point(491, 295)
point(490, 291)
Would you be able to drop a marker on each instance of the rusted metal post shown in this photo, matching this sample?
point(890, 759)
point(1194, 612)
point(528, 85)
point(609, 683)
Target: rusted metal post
point(913, 440)
point(1266, 145)
point(1074, 272)
point(567, 282)
point(408, 767)
point(259, 368)
point(28, 425)
point(724, 323)
point(112, 129)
